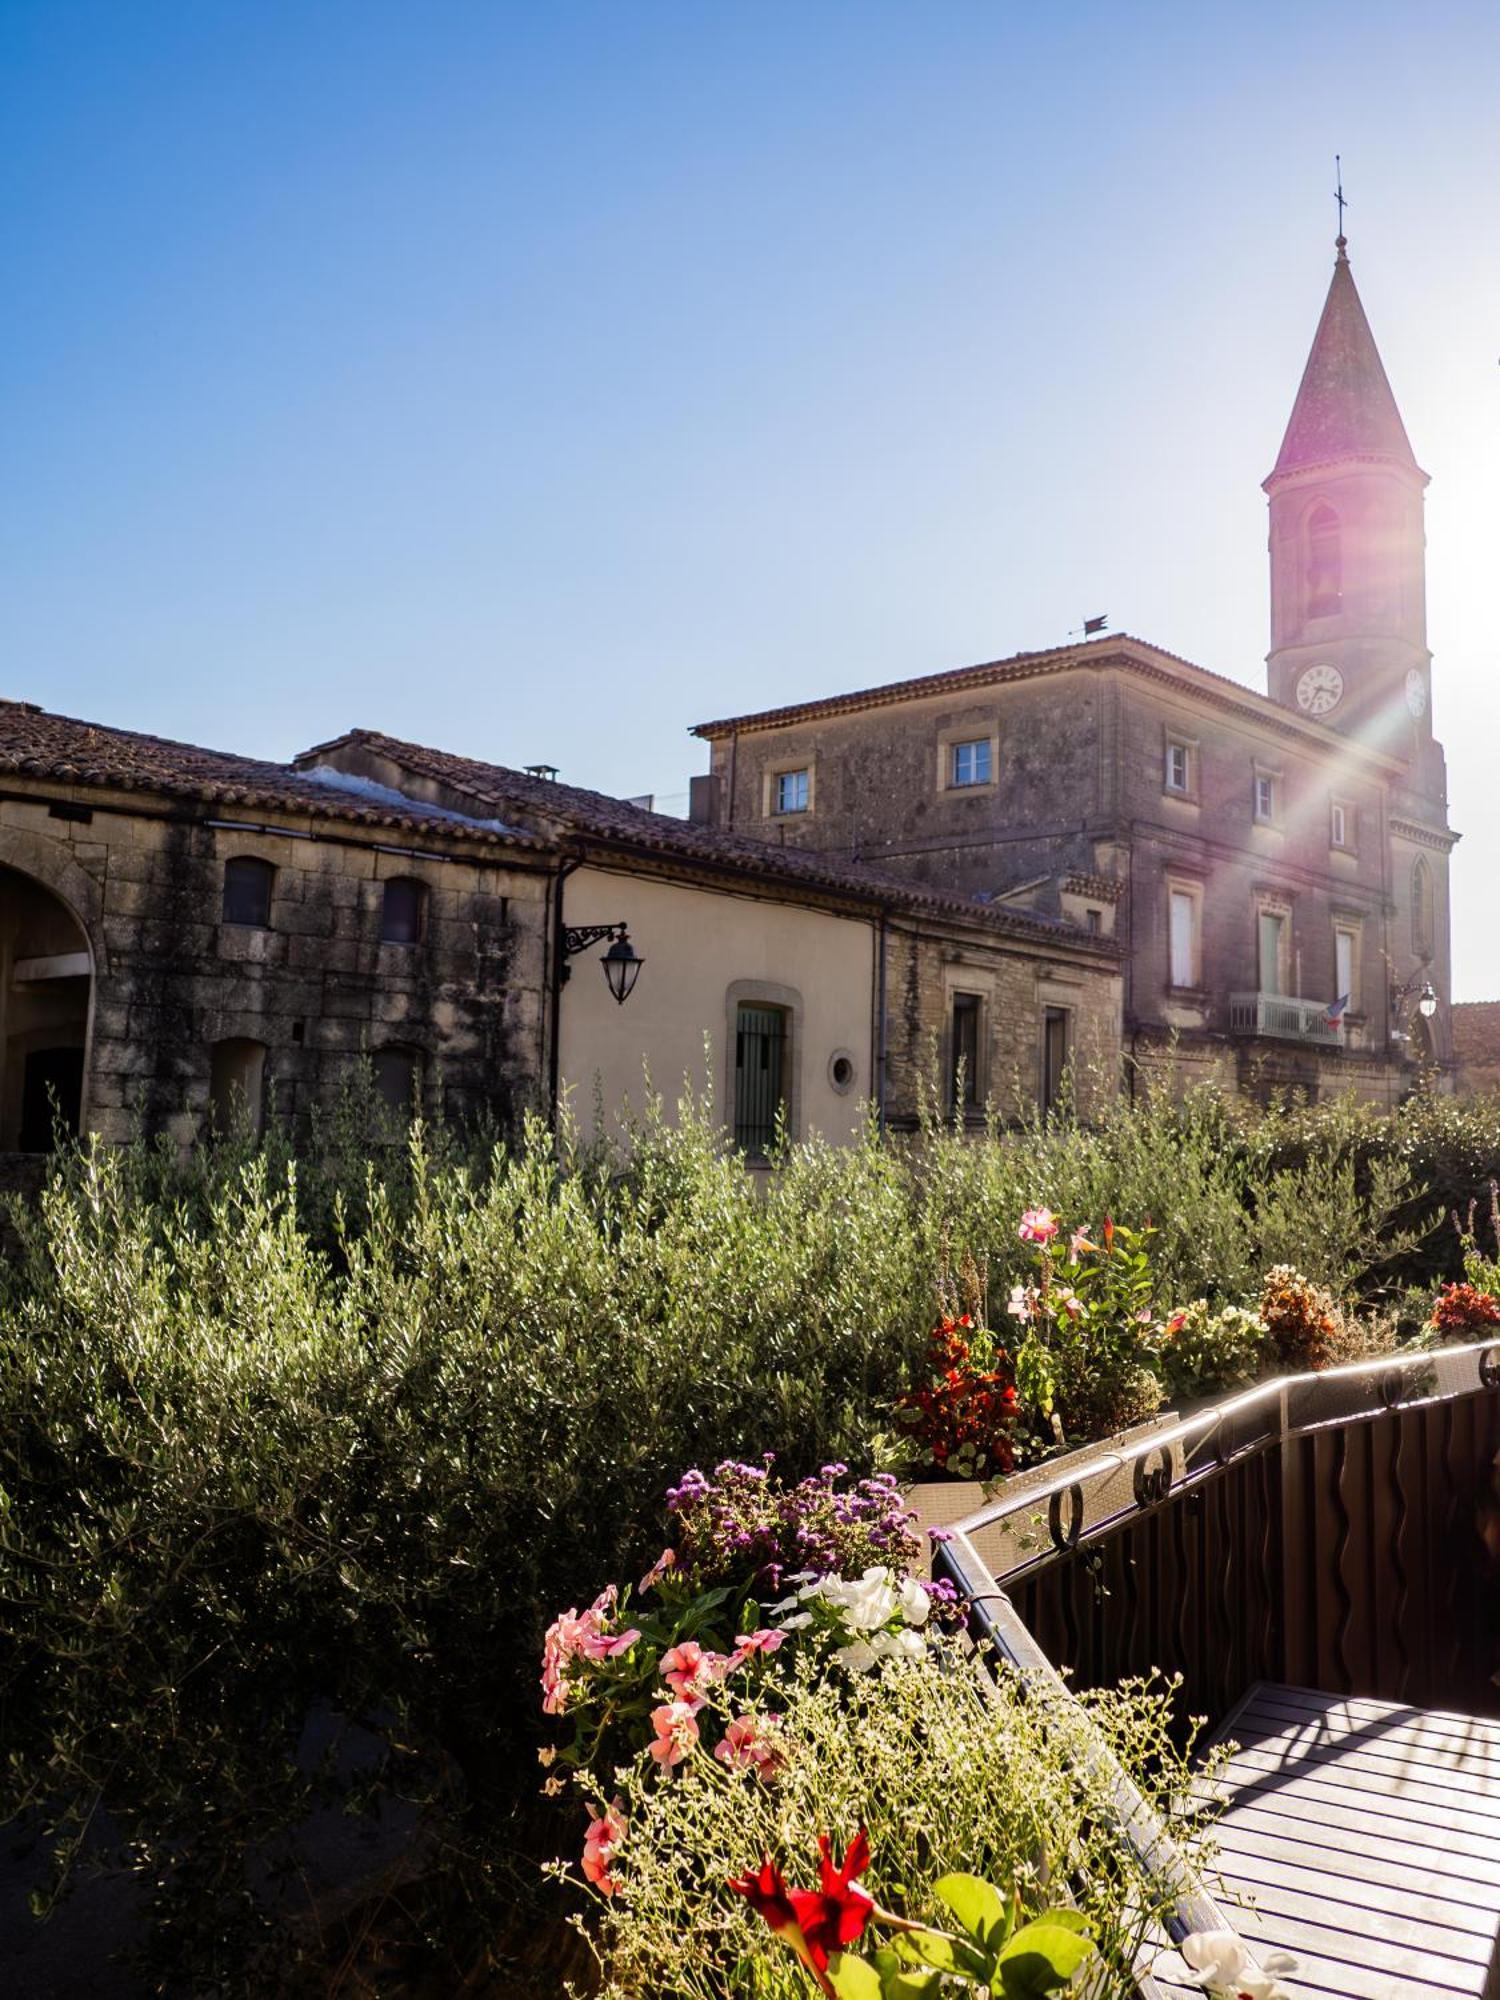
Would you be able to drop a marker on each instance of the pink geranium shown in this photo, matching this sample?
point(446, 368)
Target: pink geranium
point(665, 1561)
point(676, 1727)
point(575, 1635)
point(766, 1640)
point(1038, 1225)
point(682, 1667)
point(606, 1834)
point(747, 1747)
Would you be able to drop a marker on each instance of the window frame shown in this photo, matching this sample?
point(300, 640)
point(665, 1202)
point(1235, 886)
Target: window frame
point(1270, 777)
point(777, 778)
point(1269, 908)
point(1192, 894)
point(1343, 839)
point(1323, 572)
point(756, 1139)
point(981, 749)
point(1352, 930)
point(236, 868)
point(1174, 745)
point(227, 1092)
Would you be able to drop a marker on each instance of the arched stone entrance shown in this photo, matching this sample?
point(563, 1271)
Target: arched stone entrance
point(46, 978)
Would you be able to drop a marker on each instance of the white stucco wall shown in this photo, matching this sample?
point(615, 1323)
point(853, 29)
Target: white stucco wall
point(703, 950)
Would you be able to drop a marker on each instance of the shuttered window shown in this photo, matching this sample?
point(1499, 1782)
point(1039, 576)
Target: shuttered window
point(759, 1076)
point(1054, 1055)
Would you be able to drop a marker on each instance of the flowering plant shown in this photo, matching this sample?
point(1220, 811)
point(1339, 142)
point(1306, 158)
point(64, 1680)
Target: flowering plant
point(959, 1424)
point(634, 1670)
point(991, 1952)
point(1220, 1962)
point(1300, 1317)
point(1463, 1308)
point(1084, 1360)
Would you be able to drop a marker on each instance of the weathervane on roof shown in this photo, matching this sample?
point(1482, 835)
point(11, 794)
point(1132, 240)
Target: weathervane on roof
point(1340, 241)
point(1089, 628)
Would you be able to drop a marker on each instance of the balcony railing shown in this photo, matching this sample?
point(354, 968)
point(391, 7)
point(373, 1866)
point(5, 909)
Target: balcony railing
point(1284, 1019)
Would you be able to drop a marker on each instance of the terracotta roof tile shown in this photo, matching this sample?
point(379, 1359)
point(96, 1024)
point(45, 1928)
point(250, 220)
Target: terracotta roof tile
point(37, 744)
point(517, 796)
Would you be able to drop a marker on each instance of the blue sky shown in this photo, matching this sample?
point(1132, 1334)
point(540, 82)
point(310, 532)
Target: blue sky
point(539, 380)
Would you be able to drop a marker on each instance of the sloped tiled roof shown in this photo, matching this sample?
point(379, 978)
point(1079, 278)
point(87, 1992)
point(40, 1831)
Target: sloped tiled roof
point(1344, 406)
point(35, 743)
point(549, 804)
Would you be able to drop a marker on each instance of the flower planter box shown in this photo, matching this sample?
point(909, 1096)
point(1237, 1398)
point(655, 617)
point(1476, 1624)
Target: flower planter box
point(943, 1503)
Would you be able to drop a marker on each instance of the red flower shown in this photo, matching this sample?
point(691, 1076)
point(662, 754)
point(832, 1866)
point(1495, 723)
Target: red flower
point(814, 1922)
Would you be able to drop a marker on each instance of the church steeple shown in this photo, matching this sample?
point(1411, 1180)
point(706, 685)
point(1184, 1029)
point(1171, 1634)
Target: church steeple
point(1344, 407)
point(1348, 591)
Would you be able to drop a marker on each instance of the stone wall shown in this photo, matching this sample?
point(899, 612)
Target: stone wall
point(315, 986)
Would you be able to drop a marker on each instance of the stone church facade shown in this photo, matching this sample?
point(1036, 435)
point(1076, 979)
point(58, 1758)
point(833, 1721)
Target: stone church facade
point(1274, 867)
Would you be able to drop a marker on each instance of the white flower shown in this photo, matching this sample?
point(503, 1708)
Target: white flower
point(869, 1603)
point(796, 1622)
point(786, 1604)
point(1019, 1303)
point(857, 1658)
point(903, 1645)
point(916, 1605)
point(1220, 1962)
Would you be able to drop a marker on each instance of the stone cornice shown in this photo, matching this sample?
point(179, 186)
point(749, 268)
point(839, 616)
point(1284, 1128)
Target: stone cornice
point(1440, 838)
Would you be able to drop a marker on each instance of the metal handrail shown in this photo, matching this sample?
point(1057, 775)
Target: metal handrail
point(1091, 1491)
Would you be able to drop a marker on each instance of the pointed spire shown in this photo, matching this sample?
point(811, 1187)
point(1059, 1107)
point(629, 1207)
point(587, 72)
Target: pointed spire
point(1344, 408)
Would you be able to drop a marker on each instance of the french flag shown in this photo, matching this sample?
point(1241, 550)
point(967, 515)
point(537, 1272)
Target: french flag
point(1335, 1013)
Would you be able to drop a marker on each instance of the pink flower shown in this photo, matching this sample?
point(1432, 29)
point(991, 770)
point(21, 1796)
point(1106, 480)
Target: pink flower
point(1078, 1242)
point(747, 1748)
point(1068, 1302)
point(676, 1727)
point(766, 1640)
point(606, 1833)
point(604, 1646)
point(665, 1561)
point(683, 1667)
point(1038, 1225)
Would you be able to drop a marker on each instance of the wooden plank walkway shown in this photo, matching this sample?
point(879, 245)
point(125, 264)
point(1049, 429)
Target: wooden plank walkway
point(1364, 1837)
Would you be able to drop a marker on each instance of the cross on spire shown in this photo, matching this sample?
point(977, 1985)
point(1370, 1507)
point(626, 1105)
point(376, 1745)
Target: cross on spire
point(1340, 241)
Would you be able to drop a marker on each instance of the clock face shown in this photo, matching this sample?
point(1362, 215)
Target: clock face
point(1416, 691)
point(1320, 690)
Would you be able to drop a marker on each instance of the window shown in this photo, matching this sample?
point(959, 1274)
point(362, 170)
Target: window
point(1265, 797)
point(1178, 776)
point(1324, 563)
point(1093, 921)
point(403, 910)
point(1271, 934)
point(791, 791)
point(1421, 909)
point(971, 762)
point(398, 1071)
point(237, 1086)
point(963, 1047)
point(1346, 966)
point(1054, 1055)
point(247, 891)
point(1343, 824)
point(760, 1069)
point(1182, 912)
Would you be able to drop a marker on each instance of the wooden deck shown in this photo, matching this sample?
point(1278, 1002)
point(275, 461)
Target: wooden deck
point(1364, 1837)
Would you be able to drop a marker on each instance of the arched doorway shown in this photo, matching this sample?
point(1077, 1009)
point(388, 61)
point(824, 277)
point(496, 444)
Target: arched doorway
point(45, 977)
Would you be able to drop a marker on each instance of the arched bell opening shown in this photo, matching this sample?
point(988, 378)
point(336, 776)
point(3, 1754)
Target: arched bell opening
point(46, 981)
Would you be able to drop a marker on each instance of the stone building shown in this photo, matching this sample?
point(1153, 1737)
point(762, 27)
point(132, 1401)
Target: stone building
point(1274, 867)
point(187, 935)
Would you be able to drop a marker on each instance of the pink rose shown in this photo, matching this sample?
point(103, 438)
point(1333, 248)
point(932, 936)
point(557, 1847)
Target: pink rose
point(676, 1727)
point(1038, 1225)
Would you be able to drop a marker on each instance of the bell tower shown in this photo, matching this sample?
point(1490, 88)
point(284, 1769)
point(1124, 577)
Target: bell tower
point(1348, 568)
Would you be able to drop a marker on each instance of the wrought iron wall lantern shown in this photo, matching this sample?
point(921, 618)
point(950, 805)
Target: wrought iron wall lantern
point(1427, 1002)
point(622, 964)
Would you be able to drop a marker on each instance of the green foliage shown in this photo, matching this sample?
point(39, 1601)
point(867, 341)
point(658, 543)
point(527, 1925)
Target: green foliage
point(1203, 1352)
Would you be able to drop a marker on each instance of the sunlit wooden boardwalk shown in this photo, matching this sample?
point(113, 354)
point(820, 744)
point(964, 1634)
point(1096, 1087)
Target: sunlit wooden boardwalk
point(1364, 1837)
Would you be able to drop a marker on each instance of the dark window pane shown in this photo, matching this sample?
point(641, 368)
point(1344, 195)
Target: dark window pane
point(402, 910)
point(396, 1078)
point(236, 1088)
point(1054, 1055)
point(247, 891)
point(963, 1083)
point(759, 1076)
